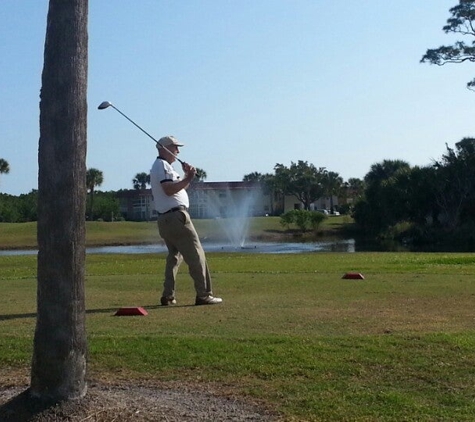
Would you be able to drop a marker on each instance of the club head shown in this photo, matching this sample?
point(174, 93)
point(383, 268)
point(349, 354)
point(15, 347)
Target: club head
point(104, 105)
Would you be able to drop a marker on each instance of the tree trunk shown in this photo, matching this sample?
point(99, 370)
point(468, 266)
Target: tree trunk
point(59, 356)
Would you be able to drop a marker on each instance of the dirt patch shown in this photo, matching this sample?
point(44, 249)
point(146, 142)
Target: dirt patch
point(123, 403)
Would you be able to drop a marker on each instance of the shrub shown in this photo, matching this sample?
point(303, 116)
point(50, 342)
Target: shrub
point(316, 218)
point(302, 219)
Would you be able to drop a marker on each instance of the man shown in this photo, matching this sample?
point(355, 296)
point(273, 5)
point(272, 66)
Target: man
point(175, 225)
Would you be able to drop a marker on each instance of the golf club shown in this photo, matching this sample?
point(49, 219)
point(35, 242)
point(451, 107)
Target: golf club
point(107, 104)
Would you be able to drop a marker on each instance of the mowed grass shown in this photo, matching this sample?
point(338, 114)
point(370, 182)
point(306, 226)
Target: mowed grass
point(291, 334)
point(23, 235)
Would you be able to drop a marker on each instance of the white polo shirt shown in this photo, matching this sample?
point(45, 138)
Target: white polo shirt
point(162, 171)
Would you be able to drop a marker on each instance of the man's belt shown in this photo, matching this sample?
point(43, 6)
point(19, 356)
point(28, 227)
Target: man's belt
point(179, 208)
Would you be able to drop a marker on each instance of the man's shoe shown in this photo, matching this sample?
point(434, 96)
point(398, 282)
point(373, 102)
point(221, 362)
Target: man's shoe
point(165, 301)
point(208, 300)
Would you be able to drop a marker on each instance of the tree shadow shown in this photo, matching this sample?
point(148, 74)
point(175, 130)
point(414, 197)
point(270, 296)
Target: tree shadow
point(23, 408)
point(112, 311)
point(16, 316)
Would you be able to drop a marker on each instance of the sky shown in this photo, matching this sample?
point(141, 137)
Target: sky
point(245, 85)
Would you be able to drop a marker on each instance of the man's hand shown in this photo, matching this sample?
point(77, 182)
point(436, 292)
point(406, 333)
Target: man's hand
point(189, 171)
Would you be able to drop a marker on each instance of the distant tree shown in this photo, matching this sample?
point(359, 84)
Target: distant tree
point(412, 195)
point(355, 187)
point(380, 172)
point(269, 187)
point(8, 209)
point(19, 209)
point(351, 191)
point(253, 177)
point(461, 22)
point(201, 175)
point(332, 184)
point(379, 208)
point(272, 188)
point(58, 367)
point(28, 206)
point(455, 190)
point(94, 177)
point(4, 166)
point(302, 180)
point(106, 206)
point(141, 180)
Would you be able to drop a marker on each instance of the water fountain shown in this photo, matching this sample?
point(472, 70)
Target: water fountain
point(232, 213)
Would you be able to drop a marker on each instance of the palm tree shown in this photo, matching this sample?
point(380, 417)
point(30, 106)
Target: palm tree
point(94, 177)
point(200, 175)
point(352, 190)
point(4, 167)
point(58, 367)
point(141, 180)
point(269, 187)
point(332, 183)
point(384, 170)
point(356, 187)
point(380, 210)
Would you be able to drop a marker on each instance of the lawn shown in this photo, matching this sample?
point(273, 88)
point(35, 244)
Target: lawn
point(291, 334)
point(23, 235)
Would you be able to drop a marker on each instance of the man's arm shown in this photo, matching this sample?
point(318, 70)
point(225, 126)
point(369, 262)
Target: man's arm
point(172, 187)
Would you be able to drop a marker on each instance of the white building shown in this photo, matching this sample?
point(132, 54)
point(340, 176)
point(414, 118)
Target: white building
point(218, 199)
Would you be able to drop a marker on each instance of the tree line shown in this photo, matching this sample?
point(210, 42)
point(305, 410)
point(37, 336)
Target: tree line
point(100, 205)
point(427, 205)
point(419, 203)
point(307, 183)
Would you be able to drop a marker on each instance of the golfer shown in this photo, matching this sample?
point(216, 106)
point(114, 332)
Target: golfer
point(175, 225)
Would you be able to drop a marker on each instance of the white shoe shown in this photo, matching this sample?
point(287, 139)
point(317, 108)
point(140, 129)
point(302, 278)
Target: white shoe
point(208, 300)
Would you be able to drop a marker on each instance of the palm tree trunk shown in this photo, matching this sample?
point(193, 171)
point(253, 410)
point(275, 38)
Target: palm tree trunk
point(59, 357)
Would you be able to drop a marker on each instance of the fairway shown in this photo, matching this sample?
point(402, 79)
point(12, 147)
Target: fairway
point(291, 334)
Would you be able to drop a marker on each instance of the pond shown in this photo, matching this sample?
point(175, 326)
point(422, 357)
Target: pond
point(347, 245)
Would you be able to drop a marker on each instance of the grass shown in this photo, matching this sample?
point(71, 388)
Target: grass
point(23, 235)
point(292, 334)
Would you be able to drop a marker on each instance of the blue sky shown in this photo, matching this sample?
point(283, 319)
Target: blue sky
point(245, 84)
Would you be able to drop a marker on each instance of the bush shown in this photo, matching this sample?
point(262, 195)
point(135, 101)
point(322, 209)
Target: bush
point(18, 209)
point(287, 219)
point(316, 218)
point(106, 207)
point(303, 219)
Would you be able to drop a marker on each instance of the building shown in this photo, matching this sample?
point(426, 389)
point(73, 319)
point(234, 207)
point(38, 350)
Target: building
point(207, 200)
point(324, 203)
point(136, 205)
point(217, 200)
point(228, 199)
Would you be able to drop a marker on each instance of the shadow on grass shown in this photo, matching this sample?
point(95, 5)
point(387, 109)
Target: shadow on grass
point(94, 311)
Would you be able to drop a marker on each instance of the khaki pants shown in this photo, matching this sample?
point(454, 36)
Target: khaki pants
point(183, 243)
